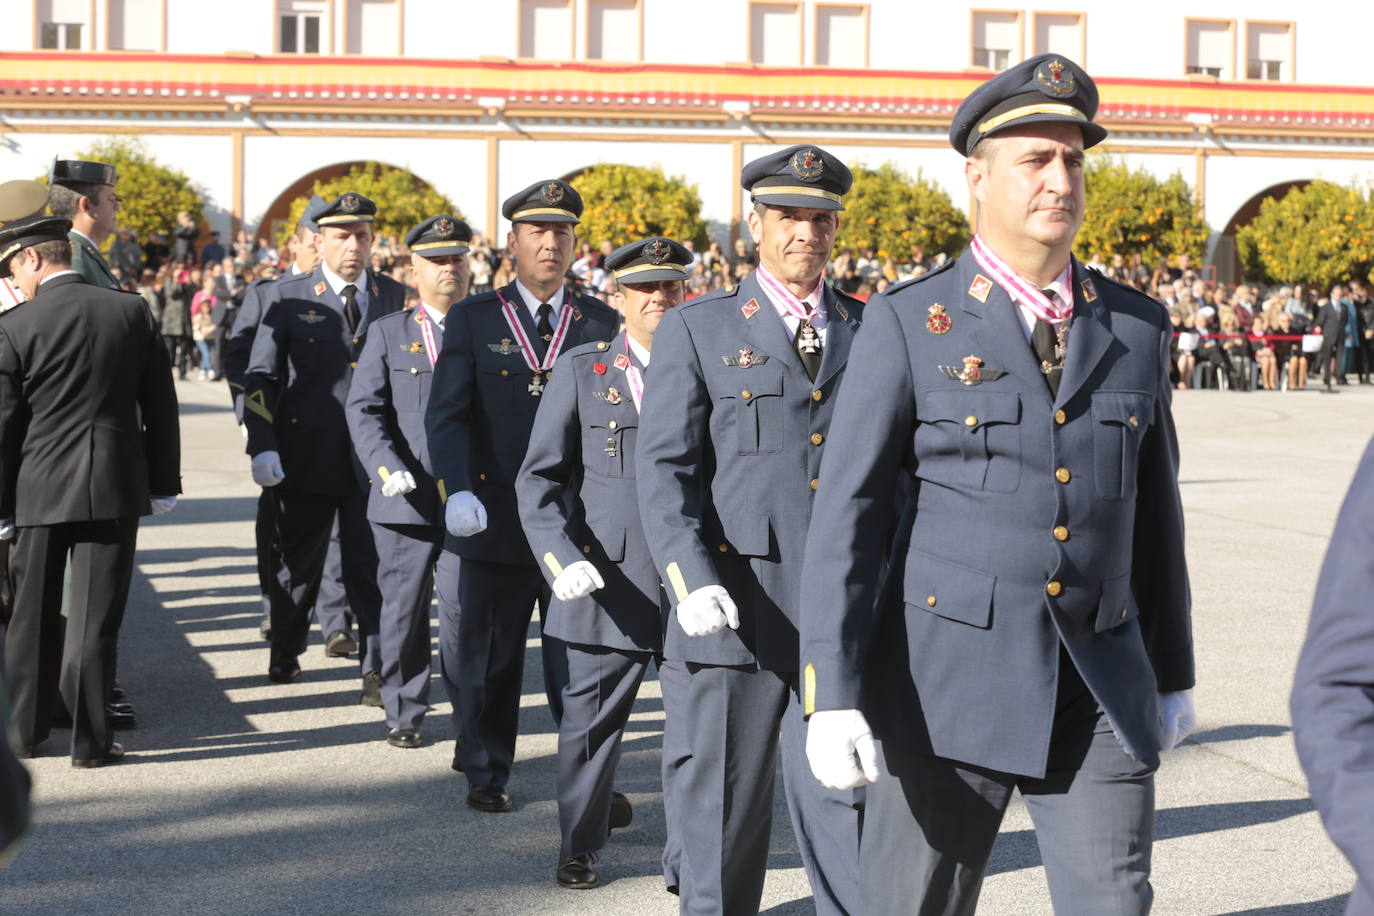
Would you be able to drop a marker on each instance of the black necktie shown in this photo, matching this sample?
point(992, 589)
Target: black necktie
point(808, 344)
point(1044, 340)
point(351, 313)
point(545, 327)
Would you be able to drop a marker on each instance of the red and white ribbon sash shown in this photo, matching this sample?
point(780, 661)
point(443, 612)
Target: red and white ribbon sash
point(427, 334)
point(560, 333)
point(783, 296)
point(633, 376)
point(1022, 290)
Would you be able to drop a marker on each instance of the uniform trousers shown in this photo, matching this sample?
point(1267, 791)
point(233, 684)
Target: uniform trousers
point(303, 522)
point(731, 718)
point(672, 683)
point(406, 555)
point(931, 822)
point(497, 600)
point(331, 607)
point(601, 689)
point(40, 659)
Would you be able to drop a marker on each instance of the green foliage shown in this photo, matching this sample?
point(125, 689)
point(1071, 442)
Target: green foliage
point(1130, 212)
point(623, 203)
point(150, 194)
point(889, 211)
point(1321, 234)
point(402, 200)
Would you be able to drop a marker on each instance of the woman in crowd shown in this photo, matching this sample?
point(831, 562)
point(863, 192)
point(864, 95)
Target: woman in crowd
point(1290, 351)
point(178, 289)
point(480, 267)
point(1236, 349)
point(1184, 346)
point(1264, 354)
point(203, 324)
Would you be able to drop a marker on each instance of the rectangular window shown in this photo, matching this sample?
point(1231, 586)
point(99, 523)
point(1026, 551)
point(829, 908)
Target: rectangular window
point(775, 34)
point(613, 30)
point(1060, 33)
point(1269, 50)
point(61, 23)
point(135, 25)
point(546, 29)
point(302, 29)
point(996, 39)
point(1211, 47)
point(841, 35)
point(374, 28)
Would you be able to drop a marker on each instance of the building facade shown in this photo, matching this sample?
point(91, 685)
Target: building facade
point(256, 99)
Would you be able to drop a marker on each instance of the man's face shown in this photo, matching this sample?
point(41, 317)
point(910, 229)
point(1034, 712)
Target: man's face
point(440, 277)
point(643, 305)
point(794, 243)
point(24, 272)
point(543, 251)
point(1336, 293)
point(102, 210)
point(1029, 183)
point(305, 249)
point(345, 248)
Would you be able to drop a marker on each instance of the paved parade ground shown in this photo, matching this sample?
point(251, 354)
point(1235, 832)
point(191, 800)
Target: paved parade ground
point(241, 796)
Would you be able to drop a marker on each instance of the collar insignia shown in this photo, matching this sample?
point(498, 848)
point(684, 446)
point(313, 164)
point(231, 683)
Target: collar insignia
point(320, 288)
point(750, 308)
point(980, 287)
point(1089, 291)
point(842, 312)
point(621, 362)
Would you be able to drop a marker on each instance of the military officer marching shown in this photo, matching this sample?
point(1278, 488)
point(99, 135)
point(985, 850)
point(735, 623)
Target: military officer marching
point(1025, 625)
point(577, 502)
point(84, 192)
point(386, 417)
point(497, 353)
point(729, 453)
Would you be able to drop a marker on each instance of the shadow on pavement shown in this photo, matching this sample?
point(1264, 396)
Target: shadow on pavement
point(1331, 905)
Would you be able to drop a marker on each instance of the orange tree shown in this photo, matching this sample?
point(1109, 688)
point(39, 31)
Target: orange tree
point(402, 199)
point(1133, 212)
point(889, 211)
point(1322, 234)
point(622, 203)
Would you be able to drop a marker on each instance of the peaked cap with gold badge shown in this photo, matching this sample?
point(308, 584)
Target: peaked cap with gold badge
point(799, 176)
point(649, 261)
point(1046, 88)
point(547, 201)
point(349, 207)
point(32, 230)
point(439, 237)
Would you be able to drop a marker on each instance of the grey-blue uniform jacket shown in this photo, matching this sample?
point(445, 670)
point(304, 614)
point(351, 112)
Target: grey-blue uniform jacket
point(481, 412)
point(729, 464)
point(303, 358)
point(386, 418)
point(1036, 520)
point(239, 348)
point(576, 492)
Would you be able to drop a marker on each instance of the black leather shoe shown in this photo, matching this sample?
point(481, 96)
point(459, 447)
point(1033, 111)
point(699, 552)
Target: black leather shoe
point(120, 720)
point(577, 872)
point(340, 645)
point(404, 737)
point(284, 671)
point(116, 692)
point(372, 689)
point(492, 799)
point(120, 707)
point(113, 755)
point(265, 628)
point(622, 812)
point(457, 764)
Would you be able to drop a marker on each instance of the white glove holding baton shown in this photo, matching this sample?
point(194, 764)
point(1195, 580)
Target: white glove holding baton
point(267, 470)
point(163, 504)
point(1177, 718)
point(398, 484)
point(464, 514)
point(707, 610)
point(577, 581)
point(841, 749)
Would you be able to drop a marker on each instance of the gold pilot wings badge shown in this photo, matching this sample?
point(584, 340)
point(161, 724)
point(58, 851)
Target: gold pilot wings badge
point(506, 347)
point(971, 372)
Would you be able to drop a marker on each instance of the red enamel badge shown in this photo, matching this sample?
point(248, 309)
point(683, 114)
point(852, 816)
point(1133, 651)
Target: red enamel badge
point(599, 368)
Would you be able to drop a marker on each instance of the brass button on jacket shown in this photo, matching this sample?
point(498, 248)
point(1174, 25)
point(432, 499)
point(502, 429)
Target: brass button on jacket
point(1060, 417)
point(1062, 475)
point(1061, 533)
point(1054, 589)
point(817, 438)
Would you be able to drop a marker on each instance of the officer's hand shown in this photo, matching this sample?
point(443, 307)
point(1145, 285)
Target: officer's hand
point(6, 529)
point(398, 484)
point(267, 470)
point(163, 504)
point(840, 748)
point(706, 611)
point(1177, 718)
point(577, 581)
point(464, 514)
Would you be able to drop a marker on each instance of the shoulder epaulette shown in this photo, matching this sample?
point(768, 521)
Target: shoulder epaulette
point(922, 278)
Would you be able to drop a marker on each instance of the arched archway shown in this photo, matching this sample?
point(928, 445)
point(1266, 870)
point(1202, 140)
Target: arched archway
point(280, 210)
point(1224, 254)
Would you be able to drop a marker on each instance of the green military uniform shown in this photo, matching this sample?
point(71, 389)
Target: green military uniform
point(90, 263)
point(86, 257)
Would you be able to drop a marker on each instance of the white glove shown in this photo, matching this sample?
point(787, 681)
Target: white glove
point(6, 529)
point(163, 504)
point(577, 581)
point(706, 610)
point(840, 748)
point(398, 484)
point(1177, 718)
point(267, 470)
point(464, 514)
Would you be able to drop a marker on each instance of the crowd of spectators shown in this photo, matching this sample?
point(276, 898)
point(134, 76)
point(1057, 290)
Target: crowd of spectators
point(1239, 337)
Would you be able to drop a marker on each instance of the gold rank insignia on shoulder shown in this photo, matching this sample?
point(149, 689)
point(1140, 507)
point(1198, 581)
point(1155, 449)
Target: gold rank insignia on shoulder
point(577, 313)
point(980, 287)
point(972, 372)
point(611, 395)
point(1089, 291)
point(750, 308)
point(320, 288)
point(842, 312)
point(621, 362)
point(938, 322)
point(506, 347)
point(415, 347)
point(745, 359)
point(311, 317)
